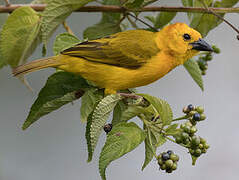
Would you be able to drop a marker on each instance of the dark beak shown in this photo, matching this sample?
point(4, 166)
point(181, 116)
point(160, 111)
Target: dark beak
point(201, 45)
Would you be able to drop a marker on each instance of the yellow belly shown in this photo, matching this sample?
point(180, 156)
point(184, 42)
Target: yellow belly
point(116, 78)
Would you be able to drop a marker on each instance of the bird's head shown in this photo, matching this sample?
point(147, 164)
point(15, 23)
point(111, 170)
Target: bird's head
point(181, 41)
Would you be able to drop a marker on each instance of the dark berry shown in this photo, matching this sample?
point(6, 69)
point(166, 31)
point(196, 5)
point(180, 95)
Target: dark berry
point(190, 107)
point(196, 117)
point(165, 156)
point(170, 152)
point(107, 128)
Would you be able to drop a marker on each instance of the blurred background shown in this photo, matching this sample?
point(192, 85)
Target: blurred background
point(55, 147)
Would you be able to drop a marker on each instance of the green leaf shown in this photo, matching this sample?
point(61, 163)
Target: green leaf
point(228, 3)
point(99, 117)
point(18, 38)
point(151, 142)
point(164, 18)
point(56, 12)
point(195, 72)
point(88, 138)
point(118, 111)
point(162, 108)
point(109, 24)
point(172, 130)
point(133, 4)
point(101, 30)
point(64, 41)
point(123, 138)
point(59, 90)
point(89, 101)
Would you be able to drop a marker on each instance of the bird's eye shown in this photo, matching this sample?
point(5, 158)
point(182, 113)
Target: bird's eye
point(186, 37)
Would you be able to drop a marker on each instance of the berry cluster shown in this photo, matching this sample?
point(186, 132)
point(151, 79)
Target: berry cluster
point(186, 134)
point(205, 57)
point(194, 114)
point(168, 161)
point(198, 146)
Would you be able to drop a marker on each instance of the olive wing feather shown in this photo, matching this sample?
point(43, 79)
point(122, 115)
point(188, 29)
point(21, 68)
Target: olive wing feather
point(130, 49)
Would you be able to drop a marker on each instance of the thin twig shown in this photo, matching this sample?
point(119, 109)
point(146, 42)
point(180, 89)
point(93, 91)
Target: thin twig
point(218, 16)
point(132, 96)
point(68, 29)
point(7, 3)
point(133, 24)
point(110, 8)
point(143, 22)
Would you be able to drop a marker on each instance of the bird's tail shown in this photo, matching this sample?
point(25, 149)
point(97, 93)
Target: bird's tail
point(32, 66)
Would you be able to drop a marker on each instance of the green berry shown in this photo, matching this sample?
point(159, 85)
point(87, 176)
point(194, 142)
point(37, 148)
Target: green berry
point(160, 162)
point(203, 141)
point(165, 156)
point(201, 146)
point(187, 129)
point(174, 167)
point(193, 130)
point(206, 146)
point(203, 73)
point(195, 141)
point(163, 167)
point(191, 113)
point(202, 117)
point(216, 49)
point(191, 151)
point(209, 57)
point(174, 157)
point(169, 164)
point(197, 152)
point(188, 124)
point(184, 135)
point(204, 150)
point(200, 109)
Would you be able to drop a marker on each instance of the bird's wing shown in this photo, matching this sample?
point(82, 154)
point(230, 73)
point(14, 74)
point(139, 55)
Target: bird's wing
point(129, 49)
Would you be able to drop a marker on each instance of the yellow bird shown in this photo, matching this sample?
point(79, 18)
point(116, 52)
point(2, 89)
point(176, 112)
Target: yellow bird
point(126, 59)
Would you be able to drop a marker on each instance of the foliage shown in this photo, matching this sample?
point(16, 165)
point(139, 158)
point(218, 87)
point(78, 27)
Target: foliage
point(25, 29)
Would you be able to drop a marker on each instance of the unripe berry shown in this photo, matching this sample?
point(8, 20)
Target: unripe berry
point(174, 157)
point(202, 117)
point(204, 150)
point(184, 135)
point(206, 145)
point(200, 109)
point(216, 49)
point(163, 167)
point(198, 152)
point(195, 141)
point(201, 146)
point(186, 129)
point(196, 117)
point(169, 164)
point(193, 130)
point(191, 113)
point(178, 139)
point(160, 162)
point(174, 167)
point(209, 57)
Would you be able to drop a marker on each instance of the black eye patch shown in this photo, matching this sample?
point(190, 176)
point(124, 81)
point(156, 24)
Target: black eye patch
point(186, 37)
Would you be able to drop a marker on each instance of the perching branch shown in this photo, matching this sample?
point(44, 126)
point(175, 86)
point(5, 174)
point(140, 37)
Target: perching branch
point(107, 8)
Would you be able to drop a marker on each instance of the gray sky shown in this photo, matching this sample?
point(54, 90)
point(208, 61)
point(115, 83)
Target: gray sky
point(54, 148)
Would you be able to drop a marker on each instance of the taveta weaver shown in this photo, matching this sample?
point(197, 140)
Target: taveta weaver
point(126, 59)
